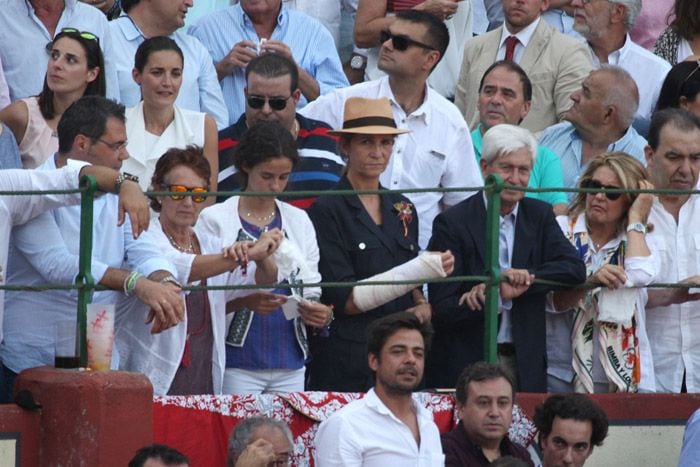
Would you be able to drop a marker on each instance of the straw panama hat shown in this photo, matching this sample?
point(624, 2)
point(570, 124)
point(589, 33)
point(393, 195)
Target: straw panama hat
point(368, 117)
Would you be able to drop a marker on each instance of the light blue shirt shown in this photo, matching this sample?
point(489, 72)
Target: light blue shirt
point(559, 20)
point(44, 251)
point(565, 141)
point(24, 37)
point(690, 452)
point(9, 153)
point(200, 89)
point(311, 44)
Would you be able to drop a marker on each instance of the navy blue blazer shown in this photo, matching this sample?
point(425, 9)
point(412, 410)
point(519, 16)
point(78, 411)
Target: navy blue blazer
point(539, 246)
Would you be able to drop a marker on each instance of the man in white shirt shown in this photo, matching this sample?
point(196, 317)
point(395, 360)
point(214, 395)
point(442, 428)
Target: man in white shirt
point(673, 321)
point(606, 26)
point(386, 427)
point(45, 250)
point(438, 151)
point(556, 63)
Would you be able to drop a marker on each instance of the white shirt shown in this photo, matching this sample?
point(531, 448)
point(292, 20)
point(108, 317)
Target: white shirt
point(641, 271)
point(366, 433)
point(45, 251)
point(647, 70)
point(523, 36)
point(437, 153)
point(674, 330)
point(16, 210)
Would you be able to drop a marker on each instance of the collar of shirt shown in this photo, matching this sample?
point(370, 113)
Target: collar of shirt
point(615, 57)
point(580, 227)
point(373, 401)
point(128, 27)
point(423, 111)
point(523, 36)
point(281, 17)
point(512, 215)
point(68, 5)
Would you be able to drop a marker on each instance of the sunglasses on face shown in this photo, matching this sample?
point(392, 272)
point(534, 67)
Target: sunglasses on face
point(186, 189)
point(596, 185)
point(275, 103)
point(401, 42)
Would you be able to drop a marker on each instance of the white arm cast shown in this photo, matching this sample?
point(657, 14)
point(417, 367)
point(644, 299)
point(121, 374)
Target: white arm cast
point(425, 266)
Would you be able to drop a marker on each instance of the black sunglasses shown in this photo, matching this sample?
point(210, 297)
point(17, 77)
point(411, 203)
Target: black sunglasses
point(276, 103)
point(596, 185)
point(401, 42)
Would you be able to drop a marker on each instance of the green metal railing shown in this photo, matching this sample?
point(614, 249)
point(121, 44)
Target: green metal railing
point(85, 284)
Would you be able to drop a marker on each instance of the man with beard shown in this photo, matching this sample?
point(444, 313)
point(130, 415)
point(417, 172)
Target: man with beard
point(386, 427)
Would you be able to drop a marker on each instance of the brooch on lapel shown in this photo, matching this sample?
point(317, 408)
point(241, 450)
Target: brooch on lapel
point(405, 213)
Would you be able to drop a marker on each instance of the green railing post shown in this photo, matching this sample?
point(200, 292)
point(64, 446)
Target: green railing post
point(84, 278)
point(494, 186)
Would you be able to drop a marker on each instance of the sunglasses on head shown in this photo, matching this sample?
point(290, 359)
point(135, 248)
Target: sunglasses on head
point(72, 31)
point(185, 189)
point(276, 103)
point(596, 185)
point(401, 42)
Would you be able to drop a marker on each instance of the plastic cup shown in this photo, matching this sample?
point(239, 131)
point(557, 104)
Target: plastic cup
point(100, 336)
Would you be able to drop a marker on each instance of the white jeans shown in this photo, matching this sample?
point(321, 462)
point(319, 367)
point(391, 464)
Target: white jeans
point(238, 381)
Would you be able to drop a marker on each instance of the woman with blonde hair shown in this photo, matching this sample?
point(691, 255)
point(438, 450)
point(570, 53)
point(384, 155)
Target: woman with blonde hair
point(596, 337)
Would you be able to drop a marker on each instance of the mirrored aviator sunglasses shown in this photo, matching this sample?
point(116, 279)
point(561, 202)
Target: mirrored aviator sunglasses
point(276, 103)
point(185, 189)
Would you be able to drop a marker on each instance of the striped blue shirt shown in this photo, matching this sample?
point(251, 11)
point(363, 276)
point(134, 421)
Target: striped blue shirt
point(311, 44)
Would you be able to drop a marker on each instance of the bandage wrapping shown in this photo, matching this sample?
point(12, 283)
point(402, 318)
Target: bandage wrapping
point(425, 266)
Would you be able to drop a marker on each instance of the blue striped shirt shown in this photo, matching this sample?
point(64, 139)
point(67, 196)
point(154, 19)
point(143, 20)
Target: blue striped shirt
point(311, 44)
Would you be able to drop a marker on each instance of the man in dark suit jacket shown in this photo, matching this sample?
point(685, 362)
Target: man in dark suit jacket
point(531, 245)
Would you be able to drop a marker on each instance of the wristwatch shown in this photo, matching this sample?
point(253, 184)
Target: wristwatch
point(637, 227)
point(124, 176)
point(358, 62)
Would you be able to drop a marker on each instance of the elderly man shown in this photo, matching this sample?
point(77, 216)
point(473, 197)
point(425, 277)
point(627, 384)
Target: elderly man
point(570, 426)
point(27, 26)
point(485, 396)
point(531, 245)
point(673, 324)
point(260, 441)
point(505, 96)
point(91, 130)
point(143, 19)
point(599, 121)
point(386, 427)
point(270, 79)
point(255, 27)
point(606, 27)
point(558, 62)
point(438, 150)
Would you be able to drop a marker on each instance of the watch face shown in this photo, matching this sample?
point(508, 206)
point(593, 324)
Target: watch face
point(357, 62)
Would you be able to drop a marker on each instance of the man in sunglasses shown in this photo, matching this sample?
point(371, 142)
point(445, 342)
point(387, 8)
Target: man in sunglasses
point(558, 62)
point(272, 94)
point(45, 249)
point(438, 151)
point(600, 120)
point(606, 26)
point(236, 35)
point(673, 162)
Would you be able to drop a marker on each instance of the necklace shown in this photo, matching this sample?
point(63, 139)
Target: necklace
point(265, 219)
point(188, 249)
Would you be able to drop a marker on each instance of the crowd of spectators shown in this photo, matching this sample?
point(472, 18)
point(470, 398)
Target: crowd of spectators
point(265, 96)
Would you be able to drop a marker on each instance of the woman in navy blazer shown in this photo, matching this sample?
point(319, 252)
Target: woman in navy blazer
point(360, 236)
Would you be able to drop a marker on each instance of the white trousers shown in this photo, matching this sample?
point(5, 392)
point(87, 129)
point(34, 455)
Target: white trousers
point(239, 381)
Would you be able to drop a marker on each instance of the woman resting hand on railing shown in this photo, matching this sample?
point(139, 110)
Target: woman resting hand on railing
point(366, 237)
point(596, 337)
point(190, 357)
